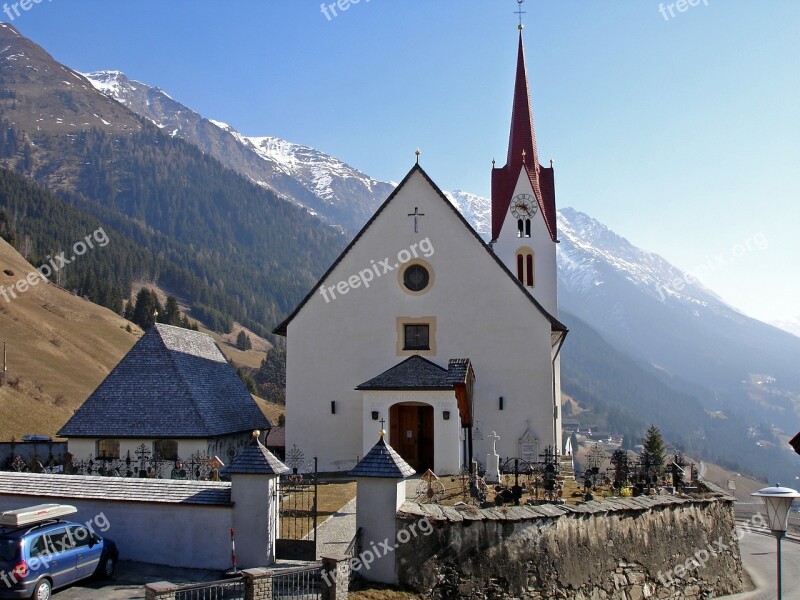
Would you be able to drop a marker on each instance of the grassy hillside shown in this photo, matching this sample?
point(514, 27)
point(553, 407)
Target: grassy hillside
point(60, 347)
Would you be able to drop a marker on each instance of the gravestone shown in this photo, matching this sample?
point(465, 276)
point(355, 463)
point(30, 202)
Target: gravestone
point(529, 447)
point(493, 460)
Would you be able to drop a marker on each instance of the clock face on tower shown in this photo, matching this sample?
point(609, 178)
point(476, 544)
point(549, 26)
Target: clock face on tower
point(523, 206)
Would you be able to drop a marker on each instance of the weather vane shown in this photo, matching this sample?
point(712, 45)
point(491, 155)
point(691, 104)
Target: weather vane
point(520, 12)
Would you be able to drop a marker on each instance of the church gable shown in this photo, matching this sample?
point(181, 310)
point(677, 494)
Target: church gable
point(403, 217)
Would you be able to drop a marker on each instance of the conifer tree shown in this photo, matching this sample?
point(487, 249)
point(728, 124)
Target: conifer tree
point(654, 452)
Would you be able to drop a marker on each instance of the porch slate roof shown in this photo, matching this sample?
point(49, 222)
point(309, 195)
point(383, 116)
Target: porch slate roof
point(256, 460)
point(382, 461)
point(414, 373)
point(174, 383)
point(122, 489)
point(457, 370)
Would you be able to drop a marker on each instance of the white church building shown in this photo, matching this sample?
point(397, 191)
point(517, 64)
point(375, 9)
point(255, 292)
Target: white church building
point(422, 328)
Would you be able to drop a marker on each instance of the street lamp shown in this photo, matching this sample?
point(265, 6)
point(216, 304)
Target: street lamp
point(777, 501)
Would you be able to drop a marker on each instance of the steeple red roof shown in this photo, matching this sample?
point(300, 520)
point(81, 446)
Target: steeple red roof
point(522, 154)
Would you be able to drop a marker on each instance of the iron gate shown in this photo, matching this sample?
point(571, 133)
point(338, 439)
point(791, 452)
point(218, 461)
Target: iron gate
point(297, 509)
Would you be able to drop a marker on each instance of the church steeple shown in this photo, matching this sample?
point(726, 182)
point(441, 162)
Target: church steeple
point(522, 154)
point(522, 138)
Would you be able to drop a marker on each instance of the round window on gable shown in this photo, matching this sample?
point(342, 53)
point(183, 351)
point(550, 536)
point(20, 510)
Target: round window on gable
point(416, 278)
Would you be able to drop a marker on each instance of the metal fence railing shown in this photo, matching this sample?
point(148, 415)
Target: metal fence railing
point(230, 589)
point(297, 584)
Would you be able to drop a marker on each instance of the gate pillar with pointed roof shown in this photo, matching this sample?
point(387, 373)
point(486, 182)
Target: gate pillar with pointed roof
point(381, 477)
point(254, 479)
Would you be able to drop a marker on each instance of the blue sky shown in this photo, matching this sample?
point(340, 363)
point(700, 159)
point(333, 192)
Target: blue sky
point(681, 133)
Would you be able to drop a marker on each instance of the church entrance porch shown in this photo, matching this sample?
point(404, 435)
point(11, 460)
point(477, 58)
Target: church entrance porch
point(411, 434)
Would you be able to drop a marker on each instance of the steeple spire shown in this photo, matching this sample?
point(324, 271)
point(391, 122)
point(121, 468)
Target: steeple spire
point(523, 153)
point(522, 138)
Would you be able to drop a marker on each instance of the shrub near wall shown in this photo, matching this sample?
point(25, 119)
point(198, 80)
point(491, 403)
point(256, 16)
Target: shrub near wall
point(616, 549)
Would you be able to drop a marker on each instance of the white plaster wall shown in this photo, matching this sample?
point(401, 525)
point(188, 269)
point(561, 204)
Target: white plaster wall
point(81, 448)
point(447, 445)
point(255, 519)
point(377, 519)
point(481, 314)
point(178, 535)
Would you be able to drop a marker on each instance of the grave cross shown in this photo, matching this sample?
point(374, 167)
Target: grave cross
point(494, 437)
point(416, 214)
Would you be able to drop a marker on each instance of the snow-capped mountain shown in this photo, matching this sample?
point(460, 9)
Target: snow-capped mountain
point(476, 209)
point(326, 186)
point(588, 247)
point(652, 310)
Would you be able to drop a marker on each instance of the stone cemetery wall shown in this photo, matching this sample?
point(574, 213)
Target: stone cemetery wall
point(633, 548)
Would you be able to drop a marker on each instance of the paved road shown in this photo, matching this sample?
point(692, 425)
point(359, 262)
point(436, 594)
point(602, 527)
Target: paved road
point(758, 557)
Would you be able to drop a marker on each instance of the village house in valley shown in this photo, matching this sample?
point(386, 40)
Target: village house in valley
point(173, 395)
point(422, 324)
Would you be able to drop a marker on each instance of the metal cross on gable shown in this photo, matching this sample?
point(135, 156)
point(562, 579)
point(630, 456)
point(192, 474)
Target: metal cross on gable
point(416, 214)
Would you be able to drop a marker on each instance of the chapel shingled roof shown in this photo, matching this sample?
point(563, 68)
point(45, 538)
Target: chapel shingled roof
point(382, 461)
point(256, 460)
point(173, 383)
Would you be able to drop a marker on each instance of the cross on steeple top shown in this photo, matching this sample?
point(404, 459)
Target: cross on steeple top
point(520, 12)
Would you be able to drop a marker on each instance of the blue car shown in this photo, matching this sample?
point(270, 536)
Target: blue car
point(40, 553)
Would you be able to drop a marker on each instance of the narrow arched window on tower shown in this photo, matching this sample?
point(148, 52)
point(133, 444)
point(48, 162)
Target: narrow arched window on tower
point(527, 228)
point(525, 267)
point(529, 270)
point(519, 228)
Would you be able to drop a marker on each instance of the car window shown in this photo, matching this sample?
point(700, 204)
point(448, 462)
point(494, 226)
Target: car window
point(60, 540)
point(9, 549)
point(38, 546)
point(80, 536)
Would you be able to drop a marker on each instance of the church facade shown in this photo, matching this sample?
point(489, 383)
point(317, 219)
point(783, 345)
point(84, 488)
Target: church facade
point(424, 330)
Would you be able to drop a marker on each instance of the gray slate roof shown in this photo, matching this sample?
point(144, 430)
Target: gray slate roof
point(121, 489)
point(457, 370)
point(174, 383)
point(414, 373)
point(383, 461)
point(256, 460)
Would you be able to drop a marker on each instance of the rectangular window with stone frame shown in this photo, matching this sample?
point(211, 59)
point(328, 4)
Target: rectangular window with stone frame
point(417, 337)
